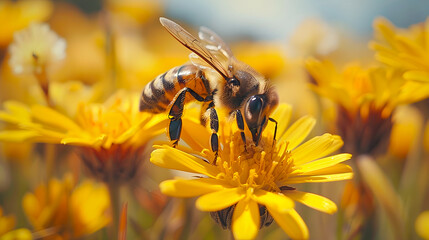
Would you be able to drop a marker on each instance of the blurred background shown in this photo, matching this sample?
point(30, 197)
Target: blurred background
point(120, 44)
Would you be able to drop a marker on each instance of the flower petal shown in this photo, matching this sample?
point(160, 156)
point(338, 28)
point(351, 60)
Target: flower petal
point(219, 200)
point(195, 135)
point(298, 131)
point(54, 118)
point(316, 147)
point(313, 200)
point(320, 178)
point(246, 220)
point(17, 135)
point(324, 162)
point(276, 201)
point(291, 223)
point(190, 188)
point(172, 158)
point(282, 114)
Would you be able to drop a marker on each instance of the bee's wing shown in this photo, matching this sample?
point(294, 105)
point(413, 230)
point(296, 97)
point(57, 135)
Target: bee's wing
point(215, 45)
point(207, 48)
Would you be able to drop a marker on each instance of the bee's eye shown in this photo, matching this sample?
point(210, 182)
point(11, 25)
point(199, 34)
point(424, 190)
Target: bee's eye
point(253, 109)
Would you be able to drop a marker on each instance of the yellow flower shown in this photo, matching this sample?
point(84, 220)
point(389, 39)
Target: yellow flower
point(110, 137)
point(17, 15)
point(61, 209)
point(273, 60)
point(21, 234)
point(404, 49)
point(248, 180)
point(422, 224)
point(408, 124)
point(365, 97)
point(7, 223)
point(35, 48)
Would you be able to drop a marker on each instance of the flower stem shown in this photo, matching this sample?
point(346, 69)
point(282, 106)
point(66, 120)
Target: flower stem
point(114, 192)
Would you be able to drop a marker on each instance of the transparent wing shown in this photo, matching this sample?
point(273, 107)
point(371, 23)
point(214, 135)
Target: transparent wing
point(205, 50)
point(215, 45)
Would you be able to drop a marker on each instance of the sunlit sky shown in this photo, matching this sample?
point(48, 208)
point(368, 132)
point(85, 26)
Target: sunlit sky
point(276, 19)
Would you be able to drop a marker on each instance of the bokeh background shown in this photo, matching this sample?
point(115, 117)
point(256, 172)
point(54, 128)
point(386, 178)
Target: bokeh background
point(120, 45)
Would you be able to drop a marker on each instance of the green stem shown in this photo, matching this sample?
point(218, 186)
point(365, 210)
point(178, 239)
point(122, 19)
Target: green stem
point(114, 192)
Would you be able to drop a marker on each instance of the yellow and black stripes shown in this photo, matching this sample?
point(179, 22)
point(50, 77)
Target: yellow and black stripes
point(160, 92)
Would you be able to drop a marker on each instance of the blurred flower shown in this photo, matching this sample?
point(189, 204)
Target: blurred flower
point(265, 57)
point(313, 37)
point(18, 14)
point(110, 137)
point(34, 48)
point(61, 209)
point(408, 124)
point(250, 185)
point(422, 224)
point(18, 234)
point(134, 12)
point(365, 99)
point(7, 223)
point(404, 49)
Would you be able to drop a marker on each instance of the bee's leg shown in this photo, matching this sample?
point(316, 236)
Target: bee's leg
point(275, 129)
point(214, 126)
point(175, 114)
point(240, 124)
point(204, 108)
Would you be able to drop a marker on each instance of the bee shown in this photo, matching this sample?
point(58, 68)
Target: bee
point(215, 78)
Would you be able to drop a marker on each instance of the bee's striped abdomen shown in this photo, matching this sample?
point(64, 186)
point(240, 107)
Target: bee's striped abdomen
point(160, 92)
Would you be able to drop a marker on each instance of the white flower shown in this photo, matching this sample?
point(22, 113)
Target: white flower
point(34, 48)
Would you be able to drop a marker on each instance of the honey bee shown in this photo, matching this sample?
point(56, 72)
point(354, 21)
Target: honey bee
point(215, 78)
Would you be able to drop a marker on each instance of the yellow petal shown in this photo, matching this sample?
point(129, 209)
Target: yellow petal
point(316, 147)
point(277, 201)
point(291, 223)
point(169, 157)
point(54, 118)
point(324, 162)
point(195, 135)
point(298, 131)
point(21, 234)
point(422, 224)
point(190, 188)
point(337, 172)
point(17, 109)
point(17, 135)
point(312, 200)
point(246, 220)
point(417, 76)
point(219, 200)
point(282, 115)
point(320, 178)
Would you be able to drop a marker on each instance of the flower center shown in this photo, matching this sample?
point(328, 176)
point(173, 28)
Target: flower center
point(253, 166)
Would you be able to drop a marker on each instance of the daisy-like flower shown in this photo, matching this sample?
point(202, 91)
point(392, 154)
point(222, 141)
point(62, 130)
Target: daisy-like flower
point(404, 49)
point(366, 99)
point(61, 209)
point(250, 186)
point(110, 137)
point(34, 48)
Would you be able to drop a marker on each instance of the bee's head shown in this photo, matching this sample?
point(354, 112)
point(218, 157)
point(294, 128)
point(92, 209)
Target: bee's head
point(257, 110)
